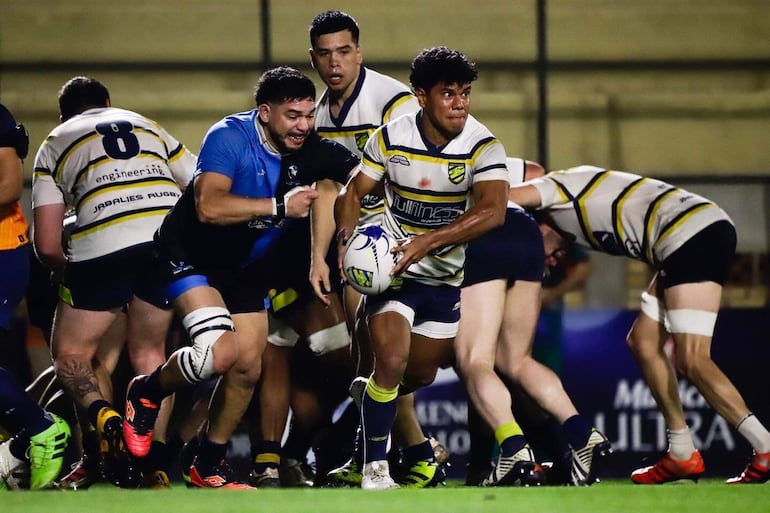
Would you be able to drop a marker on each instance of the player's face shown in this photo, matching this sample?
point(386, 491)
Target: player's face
point(554, 244)
point(337, 59)
point(445, 109)
point(287, 124)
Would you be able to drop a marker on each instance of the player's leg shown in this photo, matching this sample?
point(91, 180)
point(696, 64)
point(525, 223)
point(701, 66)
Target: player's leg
point(692, 310)
point(514, 359)
point(148, 327)
point(475, 348)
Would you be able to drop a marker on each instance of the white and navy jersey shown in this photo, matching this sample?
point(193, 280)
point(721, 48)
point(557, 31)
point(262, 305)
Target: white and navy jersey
point(624, 214)
point(428, 187)
point(376, 100)
point(120, 171)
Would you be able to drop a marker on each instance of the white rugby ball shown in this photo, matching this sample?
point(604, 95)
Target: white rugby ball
point(367, 261)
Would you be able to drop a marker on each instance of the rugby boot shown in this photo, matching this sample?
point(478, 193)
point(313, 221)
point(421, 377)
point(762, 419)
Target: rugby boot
point(669, 469)
point(139, 421)
point(757, 471)
point(117, 465)
point(421, 474)
point(588, 461)
point(295, 473)
point(376, 476)
point(518, 469)
point(156, 480)
point(83, 474)
point(217, 476)
point(268, 478)
point(10, 466)
point(349, 474)
point(46, 453)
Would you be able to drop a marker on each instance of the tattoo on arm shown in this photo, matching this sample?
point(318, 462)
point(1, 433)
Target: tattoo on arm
point(78, 378)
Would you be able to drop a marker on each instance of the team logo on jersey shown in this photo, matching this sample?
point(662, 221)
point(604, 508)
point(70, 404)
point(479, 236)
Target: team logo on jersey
point(361, 139)
point(399, 159)
point(456, 172)
point(293, 171)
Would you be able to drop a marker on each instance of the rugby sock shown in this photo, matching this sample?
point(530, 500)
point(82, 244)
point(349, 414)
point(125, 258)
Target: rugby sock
point(18, 412)
point(577, 429)
point(680, 444)
point(378, 410)
point(510, 438)
point(297, 442)
point(268, 454)
point(210, 453)
point(151, 387)
point(547, 440)
point(420, 452)
point(158, 458)
point(753, 431)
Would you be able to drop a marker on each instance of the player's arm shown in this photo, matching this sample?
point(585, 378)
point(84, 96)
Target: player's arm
point(321, 233)
point(487, 212)
point(11, 176)
point(47, 235)
point(347, 208)
point(525, 195)
point(215, 204)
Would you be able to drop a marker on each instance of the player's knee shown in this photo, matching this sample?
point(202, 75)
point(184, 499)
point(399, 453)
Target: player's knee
point(205, 327)
point(420, 377)
point(329, 339)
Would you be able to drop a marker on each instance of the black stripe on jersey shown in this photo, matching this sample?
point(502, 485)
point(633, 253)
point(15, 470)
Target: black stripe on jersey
point(393, 100)
point(588, 235)
point(118, 216)
point(356, 128)
point(43, 171)
point(647, 216)
point(121, 184)
point(490, 168)
point(89, 165)
point(670, 225)
point(616, 214)
point(65, 153)
point(176, 151)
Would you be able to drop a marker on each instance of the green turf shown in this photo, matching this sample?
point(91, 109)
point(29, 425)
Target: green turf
point(708, 496)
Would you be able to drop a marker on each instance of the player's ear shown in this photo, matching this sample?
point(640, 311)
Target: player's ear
point(263, 111)
point(421, 96)
point(312, 60)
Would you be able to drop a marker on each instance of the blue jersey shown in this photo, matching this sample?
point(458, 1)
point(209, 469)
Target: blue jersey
point(235, 148)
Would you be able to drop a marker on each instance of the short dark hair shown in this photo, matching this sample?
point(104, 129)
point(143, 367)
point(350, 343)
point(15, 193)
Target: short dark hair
point(441, 64)
point(281, 84)
point(329, 22)
point(79, 94)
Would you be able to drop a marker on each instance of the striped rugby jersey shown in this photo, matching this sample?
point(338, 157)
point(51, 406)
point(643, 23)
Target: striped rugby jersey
point(427, 188)
point(120, 171)
point(624, 214)
point(376, 100)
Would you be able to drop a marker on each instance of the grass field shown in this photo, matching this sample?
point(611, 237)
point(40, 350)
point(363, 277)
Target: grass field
point(708, 496)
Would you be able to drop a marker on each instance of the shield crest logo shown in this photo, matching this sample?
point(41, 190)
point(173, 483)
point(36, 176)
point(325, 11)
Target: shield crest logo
point(456, 172)
point(361, 139)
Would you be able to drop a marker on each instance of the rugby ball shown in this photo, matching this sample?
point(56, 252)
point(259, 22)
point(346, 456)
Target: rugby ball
point(367, 261)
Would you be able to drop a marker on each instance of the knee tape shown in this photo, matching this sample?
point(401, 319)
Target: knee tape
point(653, 308)
point(204, 327)
point(697, 322)
point(329, 339)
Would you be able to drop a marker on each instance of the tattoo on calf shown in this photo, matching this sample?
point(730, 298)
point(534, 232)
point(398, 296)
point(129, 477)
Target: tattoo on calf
point(78, 378)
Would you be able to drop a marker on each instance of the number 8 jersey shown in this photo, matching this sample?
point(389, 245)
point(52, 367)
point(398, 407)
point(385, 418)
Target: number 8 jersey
point(120, 171)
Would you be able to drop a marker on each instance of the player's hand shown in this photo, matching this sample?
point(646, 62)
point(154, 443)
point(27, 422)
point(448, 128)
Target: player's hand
point(319, 280)
point(409, 251)
point(298, 200)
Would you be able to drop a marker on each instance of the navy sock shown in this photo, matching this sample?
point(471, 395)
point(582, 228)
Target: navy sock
point(420, 452)
point(151, 387)
point(210, 453)
point(18, 412)
point(577, 429)
point(512, 445)
point(377, 420)
point(267, 454)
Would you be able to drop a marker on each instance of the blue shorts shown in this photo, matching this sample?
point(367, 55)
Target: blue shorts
point(512, 252)
point(432, 310)
point(113, 280)
point(14, 276)
point(242, 289)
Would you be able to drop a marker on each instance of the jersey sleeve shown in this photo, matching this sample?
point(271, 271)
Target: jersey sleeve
point(373, 158)
point(221, 149)
point(338, 161)
point(181, 161)
point(489, 162)
point(45, 190)
point(400, 104)
point(551, 192)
